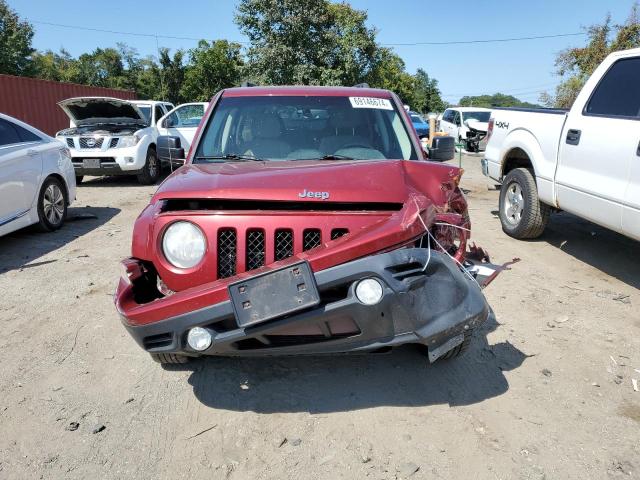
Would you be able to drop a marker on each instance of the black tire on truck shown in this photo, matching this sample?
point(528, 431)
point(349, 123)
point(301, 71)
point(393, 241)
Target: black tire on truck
point(521, 213)
point(169, 358)
point(151, 170)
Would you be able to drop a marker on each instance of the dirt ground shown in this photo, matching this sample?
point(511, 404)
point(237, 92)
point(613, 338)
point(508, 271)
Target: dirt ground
point(545, 391)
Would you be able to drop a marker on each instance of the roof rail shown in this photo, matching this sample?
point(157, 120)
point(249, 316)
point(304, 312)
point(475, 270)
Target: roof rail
point(248, 84)
point(362, 85)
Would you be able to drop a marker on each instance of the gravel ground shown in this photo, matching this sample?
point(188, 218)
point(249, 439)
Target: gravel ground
point(544, 392)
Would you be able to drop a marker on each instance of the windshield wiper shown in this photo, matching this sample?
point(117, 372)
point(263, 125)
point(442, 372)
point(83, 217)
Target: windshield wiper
point(230, 156)
point(329, 157)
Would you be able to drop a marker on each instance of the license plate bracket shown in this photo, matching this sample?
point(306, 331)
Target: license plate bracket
point(91, 163)
point(273, 294)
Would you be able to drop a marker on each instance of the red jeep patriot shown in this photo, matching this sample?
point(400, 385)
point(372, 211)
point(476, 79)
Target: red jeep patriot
point(305, 220)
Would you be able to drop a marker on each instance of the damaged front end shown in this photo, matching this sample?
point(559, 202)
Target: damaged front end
point(339, 277)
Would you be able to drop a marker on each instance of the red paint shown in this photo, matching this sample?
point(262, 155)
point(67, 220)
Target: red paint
point(35, 101)
point(427, 191)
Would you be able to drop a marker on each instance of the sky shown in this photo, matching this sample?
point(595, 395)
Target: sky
point(521, 68)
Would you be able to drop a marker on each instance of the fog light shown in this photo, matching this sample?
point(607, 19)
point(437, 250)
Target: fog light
point(199, 339)
point(369, 291)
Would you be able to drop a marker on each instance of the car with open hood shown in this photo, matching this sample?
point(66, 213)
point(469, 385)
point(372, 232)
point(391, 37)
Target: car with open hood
point(305, 220)
point(110, 136)
point(468, 125)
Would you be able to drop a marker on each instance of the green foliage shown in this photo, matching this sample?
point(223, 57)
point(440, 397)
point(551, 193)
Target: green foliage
point(15, 42)
point(495, 100)
point(575, 65)
point(316, 42)
point(212, 67)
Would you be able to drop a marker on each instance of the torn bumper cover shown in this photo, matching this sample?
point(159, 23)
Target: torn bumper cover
point(431, 306)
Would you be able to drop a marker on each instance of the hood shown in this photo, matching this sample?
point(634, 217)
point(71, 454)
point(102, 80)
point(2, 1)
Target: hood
point(91, 110)
point(358, 181)
point(477, 125)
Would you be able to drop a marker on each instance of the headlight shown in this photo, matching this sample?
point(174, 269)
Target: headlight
point(128, 141)
point(183, 244)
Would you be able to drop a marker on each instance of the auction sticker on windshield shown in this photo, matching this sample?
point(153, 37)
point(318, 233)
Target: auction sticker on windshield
point(370, 102)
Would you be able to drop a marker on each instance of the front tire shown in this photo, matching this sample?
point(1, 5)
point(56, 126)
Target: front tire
point(521, 213)
point(52, 205)
point(151, 170)
point(169, 358)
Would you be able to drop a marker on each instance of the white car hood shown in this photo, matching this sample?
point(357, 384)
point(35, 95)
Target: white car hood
point(93, 110)
point(477, 125)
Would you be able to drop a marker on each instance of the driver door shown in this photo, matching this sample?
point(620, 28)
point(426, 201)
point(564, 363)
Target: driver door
point(20, 167)
point(182, 122)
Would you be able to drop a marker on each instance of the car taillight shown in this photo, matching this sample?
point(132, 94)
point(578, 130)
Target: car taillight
point(490, 129)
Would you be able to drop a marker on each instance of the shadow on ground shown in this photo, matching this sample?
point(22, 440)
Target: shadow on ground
point(118, 181)
point(352, 382)
point(608, 251)
point(19, 249)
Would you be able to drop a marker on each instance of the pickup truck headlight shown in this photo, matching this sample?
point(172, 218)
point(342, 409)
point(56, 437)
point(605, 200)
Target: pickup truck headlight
point(128, 141)
point(183, 244)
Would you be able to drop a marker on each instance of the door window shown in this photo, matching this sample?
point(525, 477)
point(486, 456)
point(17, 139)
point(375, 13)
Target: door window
point(448, 116)
point(456, 118)
point(187, 116)
point(8, 133)
point(26, 135)
point(618, 93)
point(158, 112)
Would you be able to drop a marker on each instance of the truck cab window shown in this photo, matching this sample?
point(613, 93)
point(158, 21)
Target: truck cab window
point(618, 93)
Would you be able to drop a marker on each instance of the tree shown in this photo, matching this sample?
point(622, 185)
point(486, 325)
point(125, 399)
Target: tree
point(15, 42)
point(212, 67)
point(171, 75)
point(427, 94)
point(306, 42)
point(495, 100)
point(575, 65)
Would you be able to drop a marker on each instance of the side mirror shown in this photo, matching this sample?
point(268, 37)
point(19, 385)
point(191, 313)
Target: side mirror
point(442, 149)
point(170, 149)
point(168, 122)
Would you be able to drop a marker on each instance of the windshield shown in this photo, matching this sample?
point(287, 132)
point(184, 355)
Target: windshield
point(309, 127)
point(416, 119)
point(146, 112)
point(480, 116)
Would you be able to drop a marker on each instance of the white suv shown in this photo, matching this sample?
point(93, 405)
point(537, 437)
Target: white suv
point(109, 136)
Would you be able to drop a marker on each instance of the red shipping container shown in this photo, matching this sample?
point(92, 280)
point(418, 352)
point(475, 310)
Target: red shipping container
point(35, 101)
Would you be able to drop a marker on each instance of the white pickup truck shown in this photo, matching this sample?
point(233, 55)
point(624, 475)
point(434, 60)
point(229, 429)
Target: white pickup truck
point(585, 161)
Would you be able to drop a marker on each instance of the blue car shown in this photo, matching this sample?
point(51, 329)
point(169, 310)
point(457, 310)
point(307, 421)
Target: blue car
point(422, 127)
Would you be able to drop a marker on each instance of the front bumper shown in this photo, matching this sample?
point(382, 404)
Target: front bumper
point(426, 306)
point(112, 161)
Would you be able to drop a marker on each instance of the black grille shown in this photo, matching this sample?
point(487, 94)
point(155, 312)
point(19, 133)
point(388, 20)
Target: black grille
point(157, 341)
point(226, 253)
point(113, 143)
point(70, 143)
point(338, 232)
point(284, 244)
point(255, 249)
point(311, 238)
point(90, 142)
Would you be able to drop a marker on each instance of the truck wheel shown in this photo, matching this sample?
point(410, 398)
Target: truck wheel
point(151, 170)
point(169, 358)
point(52, 205)
point(521, 213)
point(79, 179)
